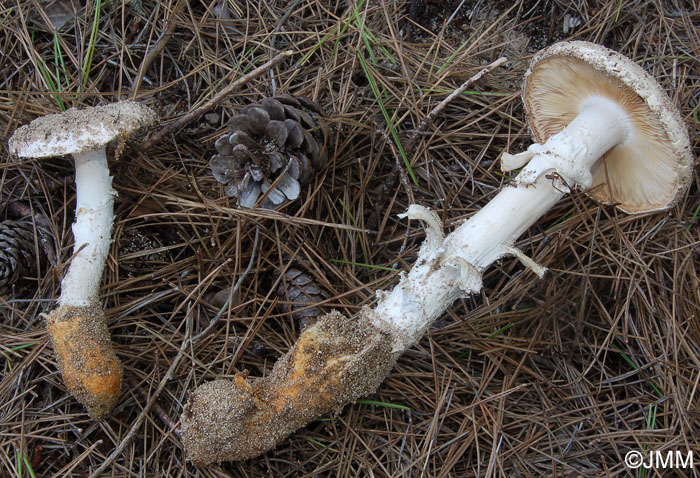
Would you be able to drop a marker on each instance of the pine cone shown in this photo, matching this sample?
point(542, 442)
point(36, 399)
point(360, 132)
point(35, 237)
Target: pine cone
point(298, 290)
point(17, 252)
point(273, 147)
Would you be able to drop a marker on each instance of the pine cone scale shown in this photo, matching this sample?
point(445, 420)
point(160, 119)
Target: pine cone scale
point(275, 159)
point(240, 123)
point(258, 119)
point(288, 186)
point(241, 137)
point(249, 195)
point(277, 131)
point(295, 135)
point(274, 108)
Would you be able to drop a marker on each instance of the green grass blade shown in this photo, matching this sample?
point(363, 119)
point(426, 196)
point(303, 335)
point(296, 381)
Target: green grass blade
point(634, 365)
point(501, 330)
point(383, 404)
point(23, 346)
point(390, 124)
point(28, 466)
point(50, 83)
point(651, 419)
point(619, 9)
point(87, 62)
point(694, 217)
point(370, 39)
point(318, 45)
point(8, 359)
point(346, 25)
point(330, 35)
point(7, 15)
point(350, 215)
point(58, 60)
point(365, 34)
point(320, 444)
point(454, 55)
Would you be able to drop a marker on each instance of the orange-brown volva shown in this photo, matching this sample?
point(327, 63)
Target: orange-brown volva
point(90, 368)
point(334, 362)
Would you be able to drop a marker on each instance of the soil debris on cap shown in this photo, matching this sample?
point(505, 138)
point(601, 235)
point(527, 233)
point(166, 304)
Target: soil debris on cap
point(78, 130)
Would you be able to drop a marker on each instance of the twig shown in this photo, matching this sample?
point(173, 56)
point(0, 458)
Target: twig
point(422, 127)
point(151, 401)
point(436, 111)
point(171, 370)
point(233, 292)
point(391, 178)
point(273, 40)
point(206, 107)
point(454, 14)
point(157, 47)
point(157, 409)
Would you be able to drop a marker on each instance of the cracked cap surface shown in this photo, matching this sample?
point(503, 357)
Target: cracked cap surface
point(79, 130)
point(652, 167)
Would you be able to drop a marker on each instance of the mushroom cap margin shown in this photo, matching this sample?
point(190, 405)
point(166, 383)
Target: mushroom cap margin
point(634, 77)
point(79, 130)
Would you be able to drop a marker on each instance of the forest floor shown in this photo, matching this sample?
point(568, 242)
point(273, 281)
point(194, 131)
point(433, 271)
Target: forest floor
point(561, 376)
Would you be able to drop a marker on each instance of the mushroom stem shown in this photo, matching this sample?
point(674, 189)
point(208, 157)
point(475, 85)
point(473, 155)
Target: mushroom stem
point(452, 269)
point(78, 327)
point(92, 229)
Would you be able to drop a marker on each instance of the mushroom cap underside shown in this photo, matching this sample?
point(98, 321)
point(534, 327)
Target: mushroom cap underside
point(651, 168)
point(79, 130)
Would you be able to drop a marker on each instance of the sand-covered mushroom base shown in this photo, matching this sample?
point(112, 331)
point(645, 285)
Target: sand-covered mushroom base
point(334, 362)
point(90, 368)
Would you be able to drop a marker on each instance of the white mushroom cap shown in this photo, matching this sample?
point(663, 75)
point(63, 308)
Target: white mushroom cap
point(652, 167)
point(77, 131)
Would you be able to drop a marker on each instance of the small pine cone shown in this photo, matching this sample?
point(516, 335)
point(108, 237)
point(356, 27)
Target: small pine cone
point(17, 252)
point(273, 147)
point(299, 290)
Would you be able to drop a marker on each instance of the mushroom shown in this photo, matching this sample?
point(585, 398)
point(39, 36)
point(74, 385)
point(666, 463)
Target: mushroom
point(600, 122)
point(78, 328)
